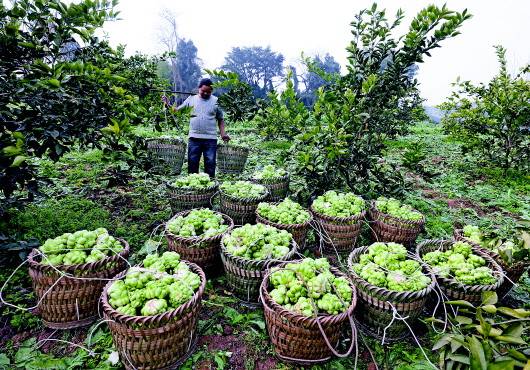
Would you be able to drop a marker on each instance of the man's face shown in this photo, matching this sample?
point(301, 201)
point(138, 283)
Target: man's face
point(205, 91)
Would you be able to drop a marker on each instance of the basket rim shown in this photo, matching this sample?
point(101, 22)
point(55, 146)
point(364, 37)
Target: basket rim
point(298, 319)
point(284, 226)
point(392, 294)
point(245, 200)
point(199, 238)
point(320, 215)
point(240, 261)
point(273, 181)
point(374, 213)
point(191, 189)
point(234, 147)
point(37, 265)
point(446, 244)
point(160, 318)
point(170, 140)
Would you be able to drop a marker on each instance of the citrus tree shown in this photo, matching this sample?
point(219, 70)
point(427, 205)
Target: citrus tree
point(377, 99)
point(60, 85)
point(493, 119)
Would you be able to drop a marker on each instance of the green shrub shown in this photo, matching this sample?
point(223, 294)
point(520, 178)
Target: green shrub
point(54, 217)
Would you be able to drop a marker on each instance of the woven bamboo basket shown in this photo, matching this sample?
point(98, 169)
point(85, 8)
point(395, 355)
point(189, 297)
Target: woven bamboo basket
point(376, 305)
point(168, 152)
point(298, 231)
point(513, 272)
point(68, 302)
point(231, 159)
point(338, 234)
point(278, 187)
point(244, 275)
point(306, 340)
point(184, 198)
point(241, 210)
point(453, 289)
point(161, 341)
point(204, 252)
point(387, 228)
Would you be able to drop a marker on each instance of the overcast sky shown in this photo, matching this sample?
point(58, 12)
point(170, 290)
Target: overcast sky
point(317, 27)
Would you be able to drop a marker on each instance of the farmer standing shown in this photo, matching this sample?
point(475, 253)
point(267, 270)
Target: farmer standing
point(206, 115)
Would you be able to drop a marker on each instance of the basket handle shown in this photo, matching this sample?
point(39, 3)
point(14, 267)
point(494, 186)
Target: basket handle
point(331, 348)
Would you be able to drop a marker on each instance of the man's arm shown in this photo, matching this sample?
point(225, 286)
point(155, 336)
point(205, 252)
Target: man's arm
point(224, 135)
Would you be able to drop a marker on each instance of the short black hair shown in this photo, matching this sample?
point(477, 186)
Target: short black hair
point(205, 81)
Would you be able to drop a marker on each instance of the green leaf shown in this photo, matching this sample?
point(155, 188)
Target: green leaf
point(19, 159)
point(4, 360)
point(11, 150)
point(444, 340)
point(461, 303)
point(459, 358)
point(53, 82)
point(510, 339)
point(478, 359)
point(514, 330)
point(463, 320)
point(502, 365)
point(489, 297)
point(518, 313)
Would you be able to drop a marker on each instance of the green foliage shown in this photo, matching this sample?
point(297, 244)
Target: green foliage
point(485, 336)
point(58, 91)
point(352, 117)
point(492, 119)
point(284, 115)
point(55, 217)
point(235, 96)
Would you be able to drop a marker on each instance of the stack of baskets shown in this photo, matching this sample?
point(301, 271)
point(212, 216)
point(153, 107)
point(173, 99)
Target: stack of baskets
point(161, 341)
point(513, 271)
point(69, 295)
point(204, 252)
point(451, 288)
point(388, 228)
point(377, 307)
point(182, 198)
point(306, 340)
point(167, 152)
point(231, 159)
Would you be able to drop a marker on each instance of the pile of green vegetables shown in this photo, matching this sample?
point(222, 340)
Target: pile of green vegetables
point(286, 212)
point(309, 287)
point(386, 265)
point(80, 247)
point(511, 250)
point(258, 242)
point(462, 264)
point(162, 285)
point(394, 207)
point(194, 181)
point(269, 172)
point(243, 189)
point(202, 222)
point(339, 204)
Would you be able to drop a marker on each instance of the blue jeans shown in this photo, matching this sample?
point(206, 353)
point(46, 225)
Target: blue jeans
point(198, 147)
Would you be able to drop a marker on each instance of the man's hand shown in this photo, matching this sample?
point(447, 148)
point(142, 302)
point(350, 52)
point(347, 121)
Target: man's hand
point(225, 138)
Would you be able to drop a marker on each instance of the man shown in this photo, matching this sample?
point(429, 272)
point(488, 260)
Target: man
point(202, 138)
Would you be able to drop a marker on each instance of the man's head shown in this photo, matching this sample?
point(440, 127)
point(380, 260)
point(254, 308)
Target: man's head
point(205, 88)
